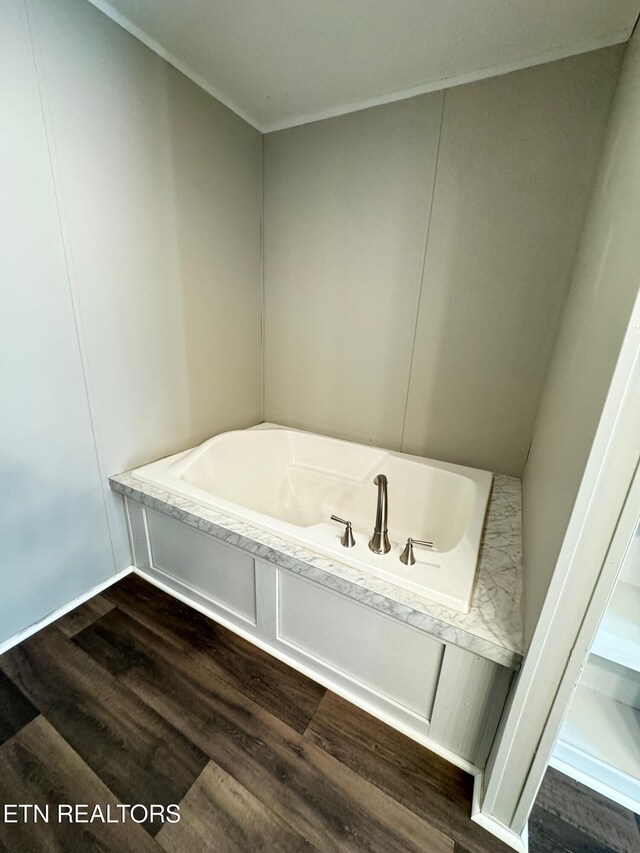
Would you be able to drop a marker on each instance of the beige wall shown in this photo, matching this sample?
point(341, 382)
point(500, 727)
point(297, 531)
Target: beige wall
point(131, 287)
point(603, 290)
point(346, 209)
point(470, 214)
point(160, 191)
point(54, 536)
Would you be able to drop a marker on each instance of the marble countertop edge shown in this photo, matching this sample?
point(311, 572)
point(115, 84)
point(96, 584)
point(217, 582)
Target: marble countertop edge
point(493, 627)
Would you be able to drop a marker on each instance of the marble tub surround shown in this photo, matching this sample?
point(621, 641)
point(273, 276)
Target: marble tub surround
point(492, 628)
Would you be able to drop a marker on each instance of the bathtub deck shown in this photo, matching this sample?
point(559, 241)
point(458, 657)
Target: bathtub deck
point(492, 628)
point(136, 698)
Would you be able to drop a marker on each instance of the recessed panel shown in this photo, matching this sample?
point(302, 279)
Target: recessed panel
point(224, 574)
point(389, 657)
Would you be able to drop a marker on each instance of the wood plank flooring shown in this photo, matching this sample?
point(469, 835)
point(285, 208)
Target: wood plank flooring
point(136, 698)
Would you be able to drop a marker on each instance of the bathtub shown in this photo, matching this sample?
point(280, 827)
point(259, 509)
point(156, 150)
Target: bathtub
point(289, 483)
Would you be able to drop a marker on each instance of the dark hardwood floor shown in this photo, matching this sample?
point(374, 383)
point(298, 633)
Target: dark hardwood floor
point(134, 698)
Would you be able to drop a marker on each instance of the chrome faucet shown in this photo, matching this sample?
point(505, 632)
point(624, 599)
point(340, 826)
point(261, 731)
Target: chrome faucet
point(379, 542)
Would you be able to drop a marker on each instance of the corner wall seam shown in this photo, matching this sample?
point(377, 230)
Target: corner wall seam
point(422, 271)
point(263, 330)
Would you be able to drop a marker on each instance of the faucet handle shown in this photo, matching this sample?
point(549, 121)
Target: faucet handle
point(347, 539)
point(407, 555)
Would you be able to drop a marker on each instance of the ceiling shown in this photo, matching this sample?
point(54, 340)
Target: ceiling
point(280, 63)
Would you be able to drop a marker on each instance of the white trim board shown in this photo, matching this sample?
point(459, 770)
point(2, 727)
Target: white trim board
point(608, 39)
point(602, 525)
point(62, 611)
point(618, 457)
point(508, 836)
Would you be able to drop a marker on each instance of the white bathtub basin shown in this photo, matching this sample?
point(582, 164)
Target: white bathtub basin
point(290, 482)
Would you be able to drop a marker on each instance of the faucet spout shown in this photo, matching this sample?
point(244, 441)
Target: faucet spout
point(379, 542)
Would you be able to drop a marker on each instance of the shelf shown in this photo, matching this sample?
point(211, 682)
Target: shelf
point(618, 638)
point(600, 739)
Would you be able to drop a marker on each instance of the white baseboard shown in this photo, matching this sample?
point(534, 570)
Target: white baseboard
point(62, 611)
point(508, 836)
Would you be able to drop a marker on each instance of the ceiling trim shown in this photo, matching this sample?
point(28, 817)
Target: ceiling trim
point(608, 39)
point(156, 47)
point(616, 37)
